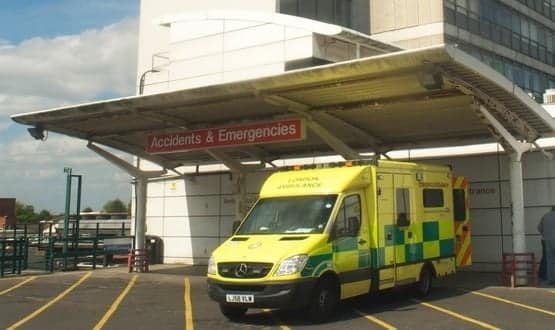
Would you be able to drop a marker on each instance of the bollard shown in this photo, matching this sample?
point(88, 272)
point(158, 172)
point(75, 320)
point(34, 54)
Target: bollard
point(519, 269)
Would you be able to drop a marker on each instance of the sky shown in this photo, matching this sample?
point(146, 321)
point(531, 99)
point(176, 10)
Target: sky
point(55, 53)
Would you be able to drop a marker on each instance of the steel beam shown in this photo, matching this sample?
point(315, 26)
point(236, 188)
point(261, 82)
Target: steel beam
point(303, 110)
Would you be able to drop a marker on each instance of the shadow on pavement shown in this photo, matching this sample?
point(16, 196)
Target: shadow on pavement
point(180, 270)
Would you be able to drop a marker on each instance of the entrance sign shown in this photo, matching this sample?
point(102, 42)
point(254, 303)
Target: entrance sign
point(256, 133)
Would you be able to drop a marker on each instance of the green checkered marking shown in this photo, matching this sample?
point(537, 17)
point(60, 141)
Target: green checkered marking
point(313, 262)
point(446, 247)
point(414, 252)
point(346, 244)
point(377, 257)
point(363, 259)
point(431, 231)
point(398, 235)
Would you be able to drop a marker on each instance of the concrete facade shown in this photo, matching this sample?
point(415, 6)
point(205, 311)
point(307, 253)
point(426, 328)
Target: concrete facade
point(160, 44)
point(406, 23)
point(189, 44)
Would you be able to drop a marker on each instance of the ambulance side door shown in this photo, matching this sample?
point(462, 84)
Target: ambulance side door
point(350, 242)
point(406, 252)
point(384, 256)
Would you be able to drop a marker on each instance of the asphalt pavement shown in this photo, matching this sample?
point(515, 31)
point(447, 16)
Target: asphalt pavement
point(174, 297)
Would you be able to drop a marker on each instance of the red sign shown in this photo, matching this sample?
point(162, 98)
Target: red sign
point(257, 133)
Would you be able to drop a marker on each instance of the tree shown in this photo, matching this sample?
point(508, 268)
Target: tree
point(25, 213)
point(114, 206)
point(44, 215)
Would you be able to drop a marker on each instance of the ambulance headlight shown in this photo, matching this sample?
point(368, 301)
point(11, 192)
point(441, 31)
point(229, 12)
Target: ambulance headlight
point(292, 265)
point(212, 268)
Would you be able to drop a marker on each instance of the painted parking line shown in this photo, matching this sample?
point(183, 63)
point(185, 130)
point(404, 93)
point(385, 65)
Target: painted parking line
point(116, 304)
point(375, 320)
point(50, 303)
point(277, 320)
point(17, 285)
point(457, 315)
point(514, 303)
point(188, 305)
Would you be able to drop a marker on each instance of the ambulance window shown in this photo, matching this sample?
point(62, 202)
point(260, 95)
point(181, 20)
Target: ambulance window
point(459, 198)
point(402, 198)
point(289, 215)
point(348, 218)
point(433, 197)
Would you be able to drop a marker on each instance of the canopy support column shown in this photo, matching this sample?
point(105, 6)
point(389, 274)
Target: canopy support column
point(240, 170)
point(141, 186)
point(516, 149)
point(517, 202)
point(241, 199)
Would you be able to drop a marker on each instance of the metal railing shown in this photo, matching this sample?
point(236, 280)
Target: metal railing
point(43, 247)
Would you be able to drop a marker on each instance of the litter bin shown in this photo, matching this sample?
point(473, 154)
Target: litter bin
point(155, 250)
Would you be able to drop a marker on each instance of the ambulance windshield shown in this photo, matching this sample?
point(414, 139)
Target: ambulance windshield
point(289, 215)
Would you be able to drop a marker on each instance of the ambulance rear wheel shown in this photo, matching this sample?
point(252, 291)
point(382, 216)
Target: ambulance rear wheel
point(233, 312)
point(424, 286)
point(324, 300)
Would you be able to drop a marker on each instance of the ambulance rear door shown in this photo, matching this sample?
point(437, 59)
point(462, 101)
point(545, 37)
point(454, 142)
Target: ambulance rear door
point(463, 246)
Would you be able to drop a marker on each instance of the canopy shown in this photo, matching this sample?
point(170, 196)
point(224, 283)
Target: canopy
point(408, 99)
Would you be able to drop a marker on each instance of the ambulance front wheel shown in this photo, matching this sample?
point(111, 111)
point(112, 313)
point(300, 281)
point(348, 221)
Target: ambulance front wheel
point(424, 285)
point(324, 301)
point(233, 312)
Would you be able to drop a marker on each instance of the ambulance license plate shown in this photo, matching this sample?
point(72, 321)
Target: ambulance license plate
point(239, 298)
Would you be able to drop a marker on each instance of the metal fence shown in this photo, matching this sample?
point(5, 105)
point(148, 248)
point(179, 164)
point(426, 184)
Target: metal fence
point(43, 247)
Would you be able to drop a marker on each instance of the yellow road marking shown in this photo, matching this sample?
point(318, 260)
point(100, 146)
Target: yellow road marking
point(376, 320)
point(116, 304)
point(188, 307)
point(514, 303)
point(457, 315)
point(277, 320)
point(50, 303)
point(17, 285)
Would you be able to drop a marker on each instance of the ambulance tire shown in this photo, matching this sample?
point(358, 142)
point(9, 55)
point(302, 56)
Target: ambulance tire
point(233, 313)
point(424, 285)
point(324, 301)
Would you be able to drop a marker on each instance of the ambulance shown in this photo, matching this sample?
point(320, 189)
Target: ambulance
point(322, 234)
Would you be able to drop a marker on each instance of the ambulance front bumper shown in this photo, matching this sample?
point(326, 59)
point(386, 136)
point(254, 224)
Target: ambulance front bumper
point(280, 295)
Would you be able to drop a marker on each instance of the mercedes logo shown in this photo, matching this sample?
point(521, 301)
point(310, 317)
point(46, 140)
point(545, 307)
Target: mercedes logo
point(241, 270)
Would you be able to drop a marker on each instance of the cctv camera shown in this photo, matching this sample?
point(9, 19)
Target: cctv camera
point(37, 133)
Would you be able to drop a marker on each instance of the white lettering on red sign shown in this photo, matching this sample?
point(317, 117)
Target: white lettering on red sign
point(257, 133)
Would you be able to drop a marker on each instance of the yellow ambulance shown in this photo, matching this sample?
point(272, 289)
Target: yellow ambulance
point(323, 234)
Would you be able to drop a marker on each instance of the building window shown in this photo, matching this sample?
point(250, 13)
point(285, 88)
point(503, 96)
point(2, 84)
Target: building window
point(542, 7)
point(527, 78)
point(288, 7)
point(505, 26)
point(330, 11)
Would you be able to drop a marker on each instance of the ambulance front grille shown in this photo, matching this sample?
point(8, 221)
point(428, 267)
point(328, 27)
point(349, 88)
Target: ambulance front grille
point(244, 269)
